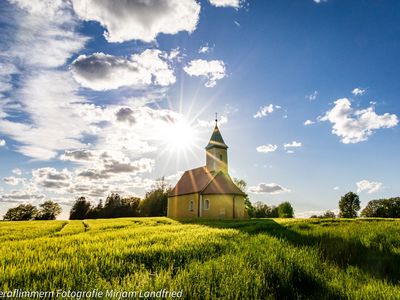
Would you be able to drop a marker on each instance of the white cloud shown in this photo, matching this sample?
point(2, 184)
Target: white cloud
point(368, 186)
point(103, 174)
point(320, 1)
point(2, 143)
point(308, 122)
point(265, 110)
point(205, 49)
point(354, 126)
point(293, 144)
point(336, 188)
point(13, 180)
point(358, 91)
point(46, 35)
point(22, 196)
point(139, 20)
point(268, 188)
point(312, 96)
point(77, 155)
point(106, 140)
point(101, 71)
point(226, 3)
point(52, 179)
point(17, 171)
point(43, 40)
point(212, 70)
point(50, 100)
point(6, 71)
point(58, 121)
point(266, 148)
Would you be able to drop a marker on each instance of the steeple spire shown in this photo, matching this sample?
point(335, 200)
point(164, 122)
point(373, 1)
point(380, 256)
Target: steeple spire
point(216, 139)
point(216, 151)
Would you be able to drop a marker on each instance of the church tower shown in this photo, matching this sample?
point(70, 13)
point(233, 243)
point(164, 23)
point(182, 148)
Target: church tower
point(217, 152)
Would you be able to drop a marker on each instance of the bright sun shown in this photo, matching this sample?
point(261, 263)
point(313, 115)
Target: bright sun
point(180, 136)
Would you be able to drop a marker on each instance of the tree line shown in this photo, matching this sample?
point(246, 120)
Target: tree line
point(349, 206)
point(262, 210)
point(154, 204)
point(49, 210)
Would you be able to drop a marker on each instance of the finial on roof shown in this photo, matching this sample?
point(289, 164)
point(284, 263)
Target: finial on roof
point(216, 119)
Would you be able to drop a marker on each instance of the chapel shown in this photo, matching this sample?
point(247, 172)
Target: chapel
point(208, 192)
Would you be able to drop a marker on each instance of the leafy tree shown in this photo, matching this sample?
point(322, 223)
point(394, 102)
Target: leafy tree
point(112, 207)
point(80, 209)
point(130, 207)
point(349, 205)
point(382, 208)
point(115, 207)
point(49, 210)
point(242, 185)
point(156, 200)
point(21, 212)
point(274, 212)
point(285, 210)
point(329, 214)
point(262, 210)
point(96, 212)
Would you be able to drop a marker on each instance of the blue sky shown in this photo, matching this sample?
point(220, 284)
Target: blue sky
point(98, 98)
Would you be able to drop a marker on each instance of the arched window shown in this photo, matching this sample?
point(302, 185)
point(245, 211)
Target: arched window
point(206, 204)
point(191, 205)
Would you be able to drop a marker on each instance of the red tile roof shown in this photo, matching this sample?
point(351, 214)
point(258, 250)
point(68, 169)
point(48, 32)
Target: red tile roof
point(201, 180)
point(222, 184)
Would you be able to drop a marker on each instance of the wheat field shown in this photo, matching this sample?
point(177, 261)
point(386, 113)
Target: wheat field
point(250, 259)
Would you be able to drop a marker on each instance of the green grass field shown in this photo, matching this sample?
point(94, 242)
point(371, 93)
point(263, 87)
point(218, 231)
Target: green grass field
point(253, 259)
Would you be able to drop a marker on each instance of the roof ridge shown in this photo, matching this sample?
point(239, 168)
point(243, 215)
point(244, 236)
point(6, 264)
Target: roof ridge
point(211, 180)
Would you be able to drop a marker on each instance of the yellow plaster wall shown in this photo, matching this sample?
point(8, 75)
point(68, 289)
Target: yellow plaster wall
point(221, 207)
point(213, 161)
point(178, 206)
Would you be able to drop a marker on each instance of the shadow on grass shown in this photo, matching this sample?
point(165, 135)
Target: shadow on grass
point(381, 264)
point(294, 284)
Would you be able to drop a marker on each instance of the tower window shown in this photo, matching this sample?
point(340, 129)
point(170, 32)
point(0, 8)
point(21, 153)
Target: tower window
point(191, 205)
point(220, 157)
point(207, 204)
